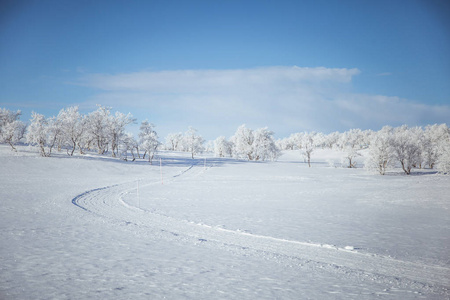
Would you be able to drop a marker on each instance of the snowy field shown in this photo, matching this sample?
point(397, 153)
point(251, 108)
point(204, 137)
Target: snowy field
point(93, 227)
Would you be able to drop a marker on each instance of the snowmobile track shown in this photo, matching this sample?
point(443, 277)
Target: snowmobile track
point(107, 202)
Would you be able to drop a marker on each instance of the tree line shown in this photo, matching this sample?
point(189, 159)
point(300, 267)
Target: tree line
point(390, 147)
point(104, 132)
point(100, 131)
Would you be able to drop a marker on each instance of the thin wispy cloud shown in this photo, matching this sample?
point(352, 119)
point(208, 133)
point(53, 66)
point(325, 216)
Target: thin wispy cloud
point(286, 99)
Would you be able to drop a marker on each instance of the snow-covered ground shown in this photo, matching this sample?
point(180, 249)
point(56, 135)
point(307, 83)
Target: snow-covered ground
point(94, 227)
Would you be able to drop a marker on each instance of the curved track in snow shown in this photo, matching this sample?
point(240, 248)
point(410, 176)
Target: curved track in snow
point(107, 202)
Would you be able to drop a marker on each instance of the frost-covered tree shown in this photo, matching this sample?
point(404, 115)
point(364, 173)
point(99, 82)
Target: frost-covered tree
point(406, 148)
point(264, 147)
point(12, 130)
point(352, 139)
point(73, 128)
point(243, 143)
point(148, 140)
point(349, 158)
point(254, 145)
point(54, 133)
point(320, 140)
point(380, 157)
point(332, 139)
point(192, 142)
point(129, 143)
point(443, 162)
point(174, 141)
point(222, 147)
point(434, 136)
point(117, 124)
point(297, 140)
point(209, 146)
point(421, 141)
point(12, 133)
point(308, 145)
point(285, 144)
point(37, 133)
point(350, 142)
point(97, 125)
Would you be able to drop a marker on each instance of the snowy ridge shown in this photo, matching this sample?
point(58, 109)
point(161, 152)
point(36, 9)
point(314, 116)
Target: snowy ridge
point(108, 203)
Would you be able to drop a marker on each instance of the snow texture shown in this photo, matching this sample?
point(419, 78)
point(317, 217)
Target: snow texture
point(94, 227)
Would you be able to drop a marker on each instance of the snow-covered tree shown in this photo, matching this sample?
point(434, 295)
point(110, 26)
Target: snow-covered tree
point(349, 158)
point(380, 156)
point(117, 124)
point(37, 133)
point(243, 143)
point(209, 146)
point(97, 125)
point(350, 142)
point(129, 143)
point(332, 139)
point(174, 141)
point(254, 145)
point(297, 140)
point(285, 143)
point(264, 147)
point(308, 145)
point(443, 162)
point(54, 133)
point(148, 140)
point(73, 127)
point(434, 136)
point(222, 147)
point(192, 142)
point(12, 129)
point(406, 148)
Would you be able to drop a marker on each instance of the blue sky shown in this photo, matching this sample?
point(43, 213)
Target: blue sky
point(214, 65)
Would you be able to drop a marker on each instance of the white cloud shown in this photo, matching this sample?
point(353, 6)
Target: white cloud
point(286, 99)
point(195, 81)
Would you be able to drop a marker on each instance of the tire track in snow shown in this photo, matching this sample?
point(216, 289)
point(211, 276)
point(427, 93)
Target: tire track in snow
point(107, 202)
